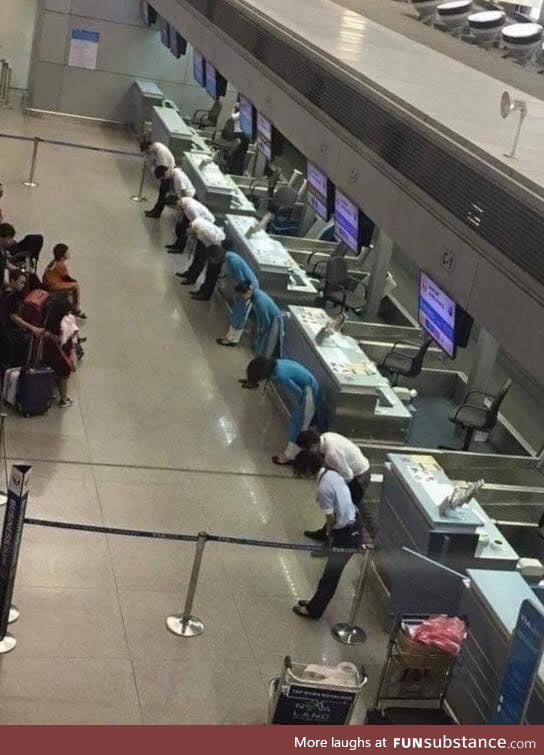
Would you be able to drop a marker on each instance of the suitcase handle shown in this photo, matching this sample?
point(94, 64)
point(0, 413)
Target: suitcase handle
point(38, 355)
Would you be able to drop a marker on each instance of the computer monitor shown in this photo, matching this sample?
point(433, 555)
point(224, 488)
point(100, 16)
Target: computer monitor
point(264, 136)
point(247, 118)
point(199, 68)
point(437, 314)
point(178, 45)
point(320, 192)
point(352, 226)
point(216, 85)
point(149, 14)
point(165, 31)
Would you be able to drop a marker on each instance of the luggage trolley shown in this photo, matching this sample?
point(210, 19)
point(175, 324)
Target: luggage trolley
point(310, 694)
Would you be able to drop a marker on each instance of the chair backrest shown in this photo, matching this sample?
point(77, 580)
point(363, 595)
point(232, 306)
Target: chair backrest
point(284, 199)
point(420, 356)
point(337, 272)
point(215, 112)
point(499, 398)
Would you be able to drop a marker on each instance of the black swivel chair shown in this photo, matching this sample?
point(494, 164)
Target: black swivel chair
point(478, 416)
point(208, 118)
point(408, 365)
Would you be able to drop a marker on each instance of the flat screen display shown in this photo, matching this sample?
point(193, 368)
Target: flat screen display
point(199, 68)
point(165, 32)
point(264, 146)
point(320, 192)
point(247, 122)
point(211, 80)
point(346, 218)
point(178, 45)
point(264, 136)
point(149, 14)
point(437, 313)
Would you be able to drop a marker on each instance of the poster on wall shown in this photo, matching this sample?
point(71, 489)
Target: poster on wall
point(84, 48)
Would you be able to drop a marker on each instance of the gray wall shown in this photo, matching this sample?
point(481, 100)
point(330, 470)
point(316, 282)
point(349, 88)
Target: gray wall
point(127, 51)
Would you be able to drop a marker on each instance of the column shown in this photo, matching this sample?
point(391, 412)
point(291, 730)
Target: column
point(483, 365)
point(381, 262)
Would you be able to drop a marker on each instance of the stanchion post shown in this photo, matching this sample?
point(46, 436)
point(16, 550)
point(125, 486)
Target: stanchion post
point(7, 87)
point(186, 625)
point(349, 633)
point(3, 76)
point(139, 197)
point(31, 183)
point(12, 533)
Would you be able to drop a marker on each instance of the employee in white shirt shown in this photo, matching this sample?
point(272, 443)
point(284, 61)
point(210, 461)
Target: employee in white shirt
point(190, 209)
point(342, 455)
point(341, 526)
point(158, 156)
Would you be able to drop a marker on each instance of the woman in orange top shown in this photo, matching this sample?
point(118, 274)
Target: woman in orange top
point(57, 278)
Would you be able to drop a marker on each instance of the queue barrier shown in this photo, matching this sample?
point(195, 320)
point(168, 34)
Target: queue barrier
point(183, 624)
point(31, 182)
point(5, 82)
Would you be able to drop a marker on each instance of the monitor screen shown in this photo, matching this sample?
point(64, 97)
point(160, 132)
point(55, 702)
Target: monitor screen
point(247, 119)
point(178, 45)
point(149, 14)
point(264, 136)
point(199, 68)
point(264, 146)
point(165, 31)
point(437, 314)
point(320, 192)
point(346, 218)
point(211, 80)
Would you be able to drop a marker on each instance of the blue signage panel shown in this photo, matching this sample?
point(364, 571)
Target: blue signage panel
point(199, 68)
point(246, 117)
point(211, 80)
point(346, 219)
point(165, 32)
point(437, 314)
point(522, 666)
point(319, 196)
point(264, 136)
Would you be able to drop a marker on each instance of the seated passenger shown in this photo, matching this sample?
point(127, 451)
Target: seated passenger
point(56, 278)
point(190, 209)
point(301, 387)
point(15, 332)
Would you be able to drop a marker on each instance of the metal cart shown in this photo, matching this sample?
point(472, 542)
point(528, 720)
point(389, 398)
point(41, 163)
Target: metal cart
point(414, 678)
point(295, 698)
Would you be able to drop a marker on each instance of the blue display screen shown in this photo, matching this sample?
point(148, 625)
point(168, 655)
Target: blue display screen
point(318, 191)
point(246, 117)
point(211, 80)
point(437, 314)
point(165, 32)
point(264, 136)
point(522, 666)
point(199, 68)
point(346, 219)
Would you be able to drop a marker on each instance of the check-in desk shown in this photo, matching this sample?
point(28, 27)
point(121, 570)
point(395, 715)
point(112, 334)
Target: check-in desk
point(168, 127)
point(491, 603)
point(277, 272)
point(360, 401)
point(214, 188)
point(146, 95)
point(409, 516)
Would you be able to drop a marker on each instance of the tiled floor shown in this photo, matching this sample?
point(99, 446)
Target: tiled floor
point(160, 437)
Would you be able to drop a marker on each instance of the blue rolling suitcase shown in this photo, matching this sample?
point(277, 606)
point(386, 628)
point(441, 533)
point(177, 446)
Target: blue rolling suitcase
point(36, 385)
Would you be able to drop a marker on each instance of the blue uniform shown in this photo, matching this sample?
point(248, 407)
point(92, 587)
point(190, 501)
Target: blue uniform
point(270, 330)
point(304, 388)
point(239, 271)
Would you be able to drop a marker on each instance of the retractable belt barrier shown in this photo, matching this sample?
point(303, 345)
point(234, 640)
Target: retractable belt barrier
point(184, 624)
point(37, 140)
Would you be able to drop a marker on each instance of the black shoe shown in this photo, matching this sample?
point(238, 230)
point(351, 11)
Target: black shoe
point(197, 296)
point(318, 535)
point(152, 214)
point(171, 246)
point(188, 282)
point(302, 611)
point(181, 275)
point(224, 342)
point(303, 603)
point(175, 250)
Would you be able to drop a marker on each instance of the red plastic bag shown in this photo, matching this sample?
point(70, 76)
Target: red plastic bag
point(447, 633)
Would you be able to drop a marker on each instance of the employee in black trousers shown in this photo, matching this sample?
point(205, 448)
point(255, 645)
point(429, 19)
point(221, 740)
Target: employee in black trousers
point(342, 528)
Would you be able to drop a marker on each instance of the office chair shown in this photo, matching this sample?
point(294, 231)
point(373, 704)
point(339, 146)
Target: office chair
point(282, 207)
point(473, 417)
point(208, 118)
point(397, 363)
point(339, 287)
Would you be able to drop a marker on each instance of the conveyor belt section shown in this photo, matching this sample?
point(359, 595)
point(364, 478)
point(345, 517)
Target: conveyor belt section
point(503, 219)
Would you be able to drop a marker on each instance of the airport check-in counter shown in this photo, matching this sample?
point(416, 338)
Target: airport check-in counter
point(360, 401)
point(409, 517)
point(169, 128)
point(277, 272)
point(215, 189)
point(146, 95)
point(491, 603)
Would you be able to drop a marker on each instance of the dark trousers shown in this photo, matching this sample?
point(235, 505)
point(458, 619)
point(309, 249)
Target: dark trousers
point(348, 537)
point(182, 227)
point(165, 188)
point(198, 264)
point(212, 276)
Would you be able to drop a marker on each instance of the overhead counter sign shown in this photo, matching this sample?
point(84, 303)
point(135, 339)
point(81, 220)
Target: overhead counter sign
point(84, 49)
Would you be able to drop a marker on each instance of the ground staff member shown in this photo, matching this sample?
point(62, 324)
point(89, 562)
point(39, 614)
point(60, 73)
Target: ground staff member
point(268, 321)
point(190, 209)
point(209, 251)
point(158, 155)
point(341, 525)
point(301, 385)
point(239, 272)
